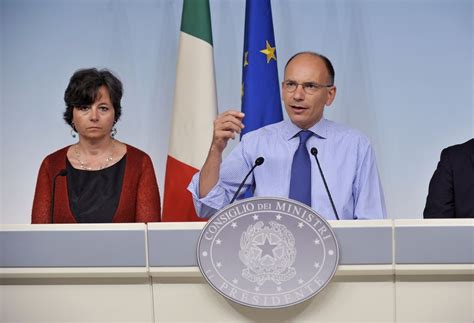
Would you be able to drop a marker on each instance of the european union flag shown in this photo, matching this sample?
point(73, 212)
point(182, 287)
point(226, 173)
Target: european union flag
point(260, 86)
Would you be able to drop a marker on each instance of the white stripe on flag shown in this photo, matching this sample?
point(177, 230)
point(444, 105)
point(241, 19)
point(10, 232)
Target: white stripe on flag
point(195, 103)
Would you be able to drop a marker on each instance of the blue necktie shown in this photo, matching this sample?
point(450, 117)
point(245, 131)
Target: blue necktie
point(300, 183)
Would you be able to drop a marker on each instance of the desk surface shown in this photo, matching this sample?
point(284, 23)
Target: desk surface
point(361, 243)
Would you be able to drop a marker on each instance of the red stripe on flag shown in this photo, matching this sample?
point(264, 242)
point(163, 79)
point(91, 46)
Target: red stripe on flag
point(178, 202)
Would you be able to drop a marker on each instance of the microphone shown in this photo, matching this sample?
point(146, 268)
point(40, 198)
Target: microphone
point(314, 152)
point(259, 161)
point(62, 172)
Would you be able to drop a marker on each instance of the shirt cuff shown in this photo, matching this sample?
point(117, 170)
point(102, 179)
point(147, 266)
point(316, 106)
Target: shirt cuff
point(212, 202)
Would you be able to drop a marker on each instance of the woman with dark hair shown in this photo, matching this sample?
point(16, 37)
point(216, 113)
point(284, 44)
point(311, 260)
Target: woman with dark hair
point(99, 179)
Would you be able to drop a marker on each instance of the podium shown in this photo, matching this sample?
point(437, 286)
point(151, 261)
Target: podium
point(389, 271)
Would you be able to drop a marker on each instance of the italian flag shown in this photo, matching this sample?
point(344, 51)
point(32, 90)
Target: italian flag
point(194, 110)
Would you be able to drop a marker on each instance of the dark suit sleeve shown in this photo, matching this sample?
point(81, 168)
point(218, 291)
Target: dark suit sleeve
point(440, 200)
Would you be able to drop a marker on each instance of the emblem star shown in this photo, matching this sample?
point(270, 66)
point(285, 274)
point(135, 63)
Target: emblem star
point(218, 241)
point(300, 281)
point(267, 247)
point(255, 217)
point(218, 265)
point(279, 288)
point(317, 265)
point(204, 253)
point(300, 225)
point(257, 289)
point(278, 217)
point(316, 241)
point(234, 225)
point(269, 51)
point(235, 281)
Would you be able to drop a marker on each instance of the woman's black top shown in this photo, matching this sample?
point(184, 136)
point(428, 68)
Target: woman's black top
point(94, 195)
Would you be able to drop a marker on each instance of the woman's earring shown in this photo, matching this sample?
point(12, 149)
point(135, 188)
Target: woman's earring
point(73, 130)
point(113, 132)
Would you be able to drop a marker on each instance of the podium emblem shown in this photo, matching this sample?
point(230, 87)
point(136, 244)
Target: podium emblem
point(267, 252)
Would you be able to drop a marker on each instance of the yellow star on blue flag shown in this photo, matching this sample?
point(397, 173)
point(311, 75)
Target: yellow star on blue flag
point(269, 51)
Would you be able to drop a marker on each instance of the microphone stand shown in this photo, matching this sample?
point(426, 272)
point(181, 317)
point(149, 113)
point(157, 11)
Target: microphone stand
point(259, 161)
point(314, 152)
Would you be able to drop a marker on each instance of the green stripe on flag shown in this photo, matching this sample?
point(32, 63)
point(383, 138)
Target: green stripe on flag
point(196, 19)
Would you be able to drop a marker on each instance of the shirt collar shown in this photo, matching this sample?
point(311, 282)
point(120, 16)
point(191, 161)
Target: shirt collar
point(320, 129)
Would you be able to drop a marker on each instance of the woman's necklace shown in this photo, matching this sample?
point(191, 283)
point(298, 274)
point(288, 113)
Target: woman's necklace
point(85, 164)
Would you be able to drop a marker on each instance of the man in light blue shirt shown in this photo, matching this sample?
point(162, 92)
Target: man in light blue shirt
point(345, 154)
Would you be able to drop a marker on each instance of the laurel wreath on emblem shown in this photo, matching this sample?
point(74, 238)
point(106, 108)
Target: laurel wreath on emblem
point(260, 267)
